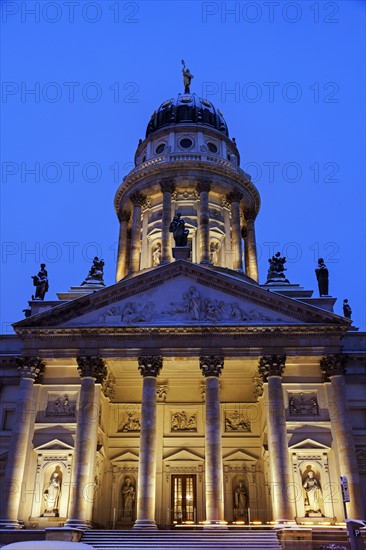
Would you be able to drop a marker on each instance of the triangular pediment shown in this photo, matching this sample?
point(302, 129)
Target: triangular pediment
point(240, 456)
point(54, 445)
point(126, 456)
point(181, 294)
point(308, 443)
point(183, 454)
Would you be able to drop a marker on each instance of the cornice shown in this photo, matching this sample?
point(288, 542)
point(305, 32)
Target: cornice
point(168, 169)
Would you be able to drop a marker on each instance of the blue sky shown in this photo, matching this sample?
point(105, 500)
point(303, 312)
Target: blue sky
point(288, 77)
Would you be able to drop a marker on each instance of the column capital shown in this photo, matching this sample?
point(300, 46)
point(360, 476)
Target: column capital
point(211, 365)
point(150, 365)
point(235, 196)
point(167, 185)
point(204, 185)
point(30, 367)
point(333, 365)
point(271, 365)
point(123, 216)
point(137, 199)
point(249, 214)
point(93, 366)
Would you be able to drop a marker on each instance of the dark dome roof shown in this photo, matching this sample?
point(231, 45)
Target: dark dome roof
point(186, 109)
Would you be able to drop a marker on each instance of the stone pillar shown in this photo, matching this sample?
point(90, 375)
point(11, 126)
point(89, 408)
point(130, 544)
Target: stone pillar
point(150, 367)
point(250, 246)
point(137, 200)
point(270, 370)
point(122, 268)
point(211, 367)
point(145, 252)
point(92, 371)
point(30, 368)
point(203, 189)
point(167, 188)
point(333, 368)
point(236, 244)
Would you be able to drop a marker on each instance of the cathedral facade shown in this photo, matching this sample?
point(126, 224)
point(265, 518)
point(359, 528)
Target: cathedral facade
point(187, 392)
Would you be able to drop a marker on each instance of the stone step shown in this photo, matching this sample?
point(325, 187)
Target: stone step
point(178, 540)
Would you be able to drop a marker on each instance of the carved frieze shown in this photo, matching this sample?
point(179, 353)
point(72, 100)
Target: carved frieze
point(108, 386)
point(303, 404)
point(61, 405)
point(257, 386)
point(236, 421)
point(130, 421)
point(183, 421)
point(161, 392)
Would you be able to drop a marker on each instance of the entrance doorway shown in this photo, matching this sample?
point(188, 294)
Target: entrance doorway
point(183, 499)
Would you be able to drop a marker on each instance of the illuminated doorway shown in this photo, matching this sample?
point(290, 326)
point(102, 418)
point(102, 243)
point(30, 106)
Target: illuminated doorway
point(183, 499)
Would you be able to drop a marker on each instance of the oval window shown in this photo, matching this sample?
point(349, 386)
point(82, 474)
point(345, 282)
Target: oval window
point(212, 147)
point(186, 143)
point(160, 148)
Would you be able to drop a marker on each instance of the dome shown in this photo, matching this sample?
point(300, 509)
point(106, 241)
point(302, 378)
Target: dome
point(187, 109)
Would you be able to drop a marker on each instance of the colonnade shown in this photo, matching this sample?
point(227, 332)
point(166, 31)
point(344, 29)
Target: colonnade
point(93, 371)
point(129, 263)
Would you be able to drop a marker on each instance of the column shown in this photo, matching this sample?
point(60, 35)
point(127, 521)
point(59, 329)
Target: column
point(270, 370)
point(167, 188)
point(150, 367)
point(235, 198)
point(145, 252)
point(333, 368)
point(30, 368)
point(211, 367)
point(92, 371)
point(124, 218)
point(203, 189)
point(250, 245)
point(137, 200)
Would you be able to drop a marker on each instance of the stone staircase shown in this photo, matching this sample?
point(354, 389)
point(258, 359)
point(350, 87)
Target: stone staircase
point(182, 540)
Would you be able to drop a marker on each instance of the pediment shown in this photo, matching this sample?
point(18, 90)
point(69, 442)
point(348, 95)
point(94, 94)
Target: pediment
point(54, 445)
point(126, 456)
point(181, 294)
point(307, 444)
point(184, 455)
point(240, 456)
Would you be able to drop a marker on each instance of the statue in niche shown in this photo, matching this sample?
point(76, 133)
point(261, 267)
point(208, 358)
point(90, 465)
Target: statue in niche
point(40, 281)
point(156, 255)
point(52, 493)
point(214, 253)
point(313, 495)
point(276, 269)
point(347, 311)
point(187, 78)
point(178, 228)
point(322, 276)
point(96, 272)
point(128, 499)
point(240, 502)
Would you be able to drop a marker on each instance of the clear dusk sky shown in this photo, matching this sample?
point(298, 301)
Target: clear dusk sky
point(81, 79)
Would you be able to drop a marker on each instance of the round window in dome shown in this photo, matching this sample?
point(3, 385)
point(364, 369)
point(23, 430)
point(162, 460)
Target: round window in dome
point(166, 103)
point(186, 143)
point(160, 148)
point(212, 147)
point(185, 99)
point(206, 103)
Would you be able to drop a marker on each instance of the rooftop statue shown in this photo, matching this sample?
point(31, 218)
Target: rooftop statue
point(322, 276)
point(40, 281)
point(178, 228)
point(276, 269)
point(187, 78)
point(95, 275)
point(347, 311)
